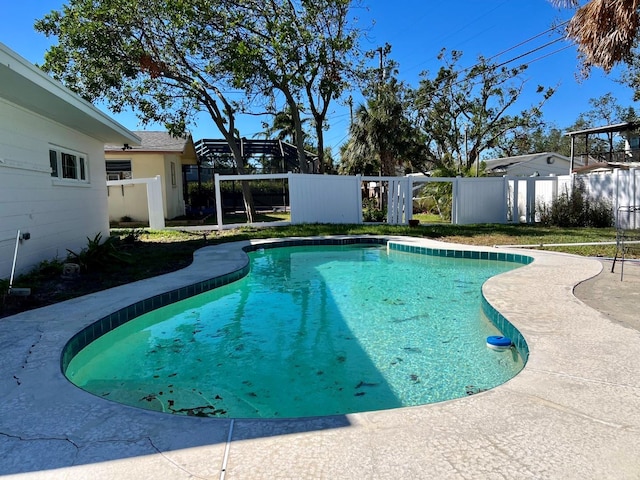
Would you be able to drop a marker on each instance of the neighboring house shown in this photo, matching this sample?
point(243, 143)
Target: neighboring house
point(159, 154)
point(52, 171)
point(536, 164)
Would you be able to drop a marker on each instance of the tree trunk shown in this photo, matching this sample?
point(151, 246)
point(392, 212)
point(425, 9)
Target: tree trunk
point(249, 207)
point(247, 196)
point(387, 164)
point(297, 124)
point(320, 136)
point(226, 127)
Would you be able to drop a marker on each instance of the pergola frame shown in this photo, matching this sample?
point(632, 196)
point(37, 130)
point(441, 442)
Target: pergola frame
point(625, 127)
point(207, 149)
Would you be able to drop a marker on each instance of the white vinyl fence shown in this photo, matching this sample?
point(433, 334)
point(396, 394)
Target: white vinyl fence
point(338, 198)
point(123, 200)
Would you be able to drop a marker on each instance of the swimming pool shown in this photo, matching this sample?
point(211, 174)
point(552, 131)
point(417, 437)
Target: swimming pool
point(298, 333)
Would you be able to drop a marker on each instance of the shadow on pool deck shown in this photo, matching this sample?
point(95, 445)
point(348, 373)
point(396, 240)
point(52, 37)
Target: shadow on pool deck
point(618, 300)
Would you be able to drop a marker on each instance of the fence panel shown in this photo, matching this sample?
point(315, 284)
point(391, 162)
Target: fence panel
point(338, 198)
point(399, 201)
point(155, 204)
point(325, 198)
point(481, 200)
point(128, 201)
point(627, 185)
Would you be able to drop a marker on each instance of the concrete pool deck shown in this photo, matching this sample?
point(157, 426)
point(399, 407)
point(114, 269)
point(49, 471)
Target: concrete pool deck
point(573, 412)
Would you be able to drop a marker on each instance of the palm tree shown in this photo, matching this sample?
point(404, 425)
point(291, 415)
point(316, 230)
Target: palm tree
point(604, 30)
point(381, 135)
point(282, 127)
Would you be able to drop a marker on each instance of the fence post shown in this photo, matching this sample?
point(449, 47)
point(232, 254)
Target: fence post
point(392, 202)
point(515, 208)
point(531, 199)
point(454, 202)
point(359, 197)
point(154, 202)
point(634, 176)
point(409, 200)
point(294, 203)
point(216, 182)
point(507, 192)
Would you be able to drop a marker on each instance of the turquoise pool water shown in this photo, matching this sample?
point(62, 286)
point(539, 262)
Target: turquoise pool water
point(310, 331)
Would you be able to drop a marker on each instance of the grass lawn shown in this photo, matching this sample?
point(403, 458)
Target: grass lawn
point(142, 254)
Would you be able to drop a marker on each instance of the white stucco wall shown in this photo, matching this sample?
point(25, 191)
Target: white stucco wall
point(131, 200)
point(58, 215)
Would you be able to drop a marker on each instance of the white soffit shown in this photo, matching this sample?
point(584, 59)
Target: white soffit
point(27, 86)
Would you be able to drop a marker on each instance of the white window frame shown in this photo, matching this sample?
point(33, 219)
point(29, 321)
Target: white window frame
point(70, 167)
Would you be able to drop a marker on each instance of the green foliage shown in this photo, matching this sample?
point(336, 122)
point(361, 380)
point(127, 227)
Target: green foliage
point(436, 198)
point(98, 255)
point(204, 194)
point(464, 112)
point(371, 212)
point(577, 209)
point(303, 50)
point(539, 139)
point(131, 236)
point(44, 271)
point(169, 61)
point(382, 137)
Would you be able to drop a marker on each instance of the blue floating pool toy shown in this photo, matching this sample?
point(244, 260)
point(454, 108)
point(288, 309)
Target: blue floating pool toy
point(499, 343)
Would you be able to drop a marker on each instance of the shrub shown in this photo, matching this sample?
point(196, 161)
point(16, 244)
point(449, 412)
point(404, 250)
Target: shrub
point(371, 212)
point(132, 236)
point(98, 255)
point(577, 209)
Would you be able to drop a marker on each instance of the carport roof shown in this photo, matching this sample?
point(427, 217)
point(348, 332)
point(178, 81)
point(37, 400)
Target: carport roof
point(617, 127)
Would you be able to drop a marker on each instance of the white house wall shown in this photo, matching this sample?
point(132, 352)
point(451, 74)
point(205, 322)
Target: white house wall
point(539, 165)
point(57, 217)
point(174, 201)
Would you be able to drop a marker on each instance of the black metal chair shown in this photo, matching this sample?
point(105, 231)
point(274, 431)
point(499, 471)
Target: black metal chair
point(627, 234)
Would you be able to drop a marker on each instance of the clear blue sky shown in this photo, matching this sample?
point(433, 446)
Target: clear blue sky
point(417, 30)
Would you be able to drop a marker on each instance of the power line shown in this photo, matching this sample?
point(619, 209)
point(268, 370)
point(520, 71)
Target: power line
point(549, 54)
point(456, 32)
point(524, 42)
point(528, 40)
point(493, 68)
point(529, 52)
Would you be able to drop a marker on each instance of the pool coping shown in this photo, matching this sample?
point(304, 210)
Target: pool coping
point(573, 412)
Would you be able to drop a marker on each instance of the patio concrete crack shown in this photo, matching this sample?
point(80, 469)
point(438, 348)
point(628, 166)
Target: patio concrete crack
point(161, 453)
point(572, 411)
point(25, 361)
point(584, 379)
point(39, 439)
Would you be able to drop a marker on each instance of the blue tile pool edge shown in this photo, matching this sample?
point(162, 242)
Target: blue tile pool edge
point(505, 327)
point(117, 318)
